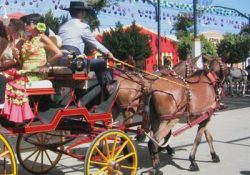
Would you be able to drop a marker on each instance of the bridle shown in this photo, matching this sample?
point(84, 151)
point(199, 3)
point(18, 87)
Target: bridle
point(222, 69)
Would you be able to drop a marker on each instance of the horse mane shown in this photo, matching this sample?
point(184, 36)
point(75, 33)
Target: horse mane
point(195, 77)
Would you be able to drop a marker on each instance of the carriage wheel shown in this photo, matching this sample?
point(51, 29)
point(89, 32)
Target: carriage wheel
point(105, 155)
point(8, 163)
point(35, 155)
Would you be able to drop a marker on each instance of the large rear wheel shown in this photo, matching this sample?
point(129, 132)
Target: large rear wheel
point(37, 153)
point(8, 163)
point(106, 155)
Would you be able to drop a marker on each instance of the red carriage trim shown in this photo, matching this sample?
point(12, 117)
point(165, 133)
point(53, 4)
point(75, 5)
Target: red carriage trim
point(40, 91)
point(204, 116)
point(90, 118)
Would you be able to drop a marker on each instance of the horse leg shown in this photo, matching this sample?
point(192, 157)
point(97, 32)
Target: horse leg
point(168, 148)
point(153, 151)
point(160, 134)
point(202, 126)
point(230, 83)
point(128, 116)
point(209, 138)
point(244, 87)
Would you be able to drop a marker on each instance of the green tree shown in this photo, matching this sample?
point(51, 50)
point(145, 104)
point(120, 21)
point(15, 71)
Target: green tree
point(245, 30)
point(184, 33)
point(208, 48)
point(184, 47)
point(54, 22)
point(91, 15)
point(183, 26)
point(234, 48)
point(123, 42)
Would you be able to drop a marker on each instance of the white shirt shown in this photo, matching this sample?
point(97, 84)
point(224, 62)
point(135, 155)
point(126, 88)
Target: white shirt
point(75, 33)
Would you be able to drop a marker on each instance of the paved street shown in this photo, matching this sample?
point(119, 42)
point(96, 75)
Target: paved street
point(231, 132)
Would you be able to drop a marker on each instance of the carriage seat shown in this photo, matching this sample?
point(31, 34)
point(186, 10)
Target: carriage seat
point(62, 76)
point(41, 87)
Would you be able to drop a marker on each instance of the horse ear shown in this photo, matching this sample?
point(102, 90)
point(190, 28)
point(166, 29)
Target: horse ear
point(195, 59)
point(207, 58)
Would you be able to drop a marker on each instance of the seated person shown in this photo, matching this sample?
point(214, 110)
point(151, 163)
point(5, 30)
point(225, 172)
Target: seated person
point(33, 67)
point(74, 33)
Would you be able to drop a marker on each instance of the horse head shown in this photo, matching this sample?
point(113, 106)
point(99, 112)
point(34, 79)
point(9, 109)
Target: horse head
point(217, 65)
point(187, 67)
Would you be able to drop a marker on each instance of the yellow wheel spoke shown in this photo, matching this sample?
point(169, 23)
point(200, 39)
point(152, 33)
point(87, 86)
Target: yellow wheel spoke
point(125, 157)
point(107, 147)
point(106, 155)
point(120, 149)
point(101, 154)
point(114, 146)
point(128, 167)
point(4, 153)
point(99, 163)
point(118, 172)
point(100, 171)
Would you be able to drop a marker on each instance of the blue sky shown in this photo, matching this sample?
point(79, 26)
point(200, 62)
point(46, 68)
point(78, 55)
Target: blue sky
point(135, 10)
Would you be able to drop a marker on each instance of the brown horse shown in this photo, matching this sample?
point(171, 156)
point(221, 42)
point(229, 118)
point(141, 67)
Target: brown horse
point(189, 65)
point(194, 99)
point(132, 84)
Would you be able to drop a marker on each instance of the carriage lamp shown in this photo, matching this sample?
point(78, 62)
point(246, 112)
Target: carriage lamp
point(77, 64)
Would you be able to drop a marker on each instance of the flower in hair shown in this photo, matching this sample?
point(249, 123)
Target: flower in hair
point(41, 27)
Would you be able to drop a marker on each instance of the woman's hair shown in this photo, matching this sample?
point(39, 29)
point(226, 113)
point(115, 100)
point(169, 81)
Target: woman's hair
point(34, 18)
point(3, 33)
point(18, 26)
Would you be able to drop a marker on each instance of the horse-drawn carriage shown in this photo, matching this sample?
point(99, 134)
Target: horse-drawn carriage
point(60, 128)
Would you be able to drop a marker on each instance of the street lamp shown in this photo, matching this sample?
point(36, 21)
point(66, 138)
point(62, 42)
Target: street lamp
point(157, 7)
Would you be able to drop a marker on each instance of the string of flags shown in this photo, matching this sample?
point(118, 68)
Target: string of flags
point(207, 15)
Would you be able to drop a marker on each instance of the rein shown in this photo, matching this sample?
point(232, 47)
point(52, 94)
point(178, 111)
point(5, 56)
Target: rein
point(140, 70)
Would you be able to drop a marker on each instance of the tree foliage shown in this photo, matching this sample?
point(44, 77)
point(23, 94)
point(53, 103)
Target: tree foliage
point(129, 41)
point(208, 48)
point(54, 22)
point(183, 26)
point(184, 33)
point(234, 48)
point(91, 15)
point(245, 30)
point(184, 47)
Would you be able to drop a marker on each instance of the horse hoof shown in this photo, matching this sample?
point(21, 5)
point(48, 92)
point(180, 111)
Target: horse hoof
point(215, 158)
point(155, 172)
point(170, 150)
point(194, 167)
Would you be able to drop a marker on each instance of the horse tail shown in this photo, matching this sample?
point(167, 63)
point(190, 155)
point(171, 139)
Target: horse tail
point(116, 110)
point(148, 110)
